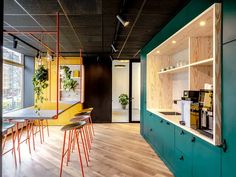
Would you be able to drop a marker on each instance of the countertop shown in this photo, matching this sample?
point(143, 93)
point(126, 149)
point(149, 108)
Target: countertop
point(174, 119)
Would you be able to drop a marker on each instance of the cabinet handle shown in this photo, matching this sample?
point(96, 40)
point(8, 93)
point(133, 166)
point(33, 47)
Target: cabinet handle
point(193, 139)
point(182, 132)
point(150, 129)
point(181, 158)
point(168, 123)
point(161, 121)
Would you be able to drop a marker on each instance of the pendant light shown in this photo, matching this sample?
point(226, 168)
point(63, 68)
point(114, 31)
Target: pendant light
point(49, 56)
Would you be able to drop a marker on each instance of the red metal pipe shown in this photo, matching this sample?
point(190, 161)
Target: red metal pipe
point(57, 56)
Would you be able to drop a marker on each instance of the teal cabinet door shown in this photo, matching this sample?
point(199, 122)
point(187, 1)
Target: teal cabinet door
point(168, 142)
point(158, 134)
point(183, 141)
point(229, 22)
point(206, 159)
point(147, 124)
point(229, 111)
point(183, 164)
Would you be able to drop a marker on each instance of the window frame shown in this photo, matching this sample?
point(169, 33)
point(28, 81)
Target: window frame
point(20, 65)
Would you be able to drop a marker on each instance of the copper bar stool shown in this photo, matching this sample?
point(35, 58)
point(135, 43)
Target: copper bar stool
point(74, 132)
point(18, 133)
point(87, 112)
point(5, 128)
point(84, 132)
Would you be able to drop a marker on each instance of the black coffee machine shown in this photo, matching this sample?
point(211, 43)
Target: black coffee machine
point(206, 112)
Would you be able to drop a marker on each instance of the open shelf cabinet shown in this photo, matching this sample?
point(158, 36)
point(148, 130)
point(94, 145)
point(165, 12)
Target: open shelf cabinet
point(188, 60)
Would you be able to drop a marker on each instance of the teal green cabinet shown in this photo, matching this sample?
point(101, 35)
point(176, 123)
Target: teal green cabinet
point(200, 159)
point(183, 141)
point(168, 142)
point(229, 111)
point(158, 134)
point(229, 21)
point(183, 164)
point(206, 159)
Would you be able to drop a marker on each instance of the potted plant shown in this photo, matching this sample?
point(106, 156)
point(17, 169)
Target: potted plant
point(123, 100)
point(68, 82)
point(40, 83)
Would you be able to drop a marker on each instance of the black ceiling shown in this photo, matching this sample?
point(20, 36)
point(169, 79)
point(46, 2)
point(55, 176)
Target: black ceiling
point(91, 24)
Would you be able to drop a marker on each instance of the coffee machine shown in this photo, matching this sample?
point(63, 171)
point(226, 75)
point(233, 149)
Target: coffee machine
point(206, 112)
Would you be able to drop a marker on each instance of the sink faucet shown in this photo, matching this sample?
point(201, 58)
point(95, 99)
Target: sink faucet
point(176, 101)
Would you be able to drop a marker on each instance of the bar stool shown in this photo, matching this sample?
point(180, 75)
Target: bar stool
point(85, 129)
point(5, 128)
point(19, 131)
point(74, 132)
point(41, 128)
point(88, 112)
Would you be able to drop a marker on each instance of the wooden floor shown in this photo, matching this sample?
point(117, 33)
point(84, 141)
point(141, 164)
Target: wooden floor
point(118, 151)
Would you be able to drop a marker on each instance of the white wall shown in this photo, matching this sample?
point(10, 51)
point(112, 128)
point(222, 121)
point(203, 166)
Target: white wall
point(120, 83)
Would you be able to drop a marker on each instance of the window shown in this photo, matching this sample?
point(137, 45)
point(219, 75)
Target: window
point(12, 80)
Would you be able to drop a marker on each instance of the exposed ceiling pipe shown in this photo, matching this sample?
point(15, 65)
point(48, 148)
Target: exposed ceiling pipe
point(136, 53)
point(131, 29)
point(42, 43)
point(36, 21)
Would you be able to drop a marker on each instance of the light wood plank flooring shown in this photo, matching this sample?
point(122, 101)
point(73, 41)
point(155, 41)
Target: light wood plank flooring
point(118, 151)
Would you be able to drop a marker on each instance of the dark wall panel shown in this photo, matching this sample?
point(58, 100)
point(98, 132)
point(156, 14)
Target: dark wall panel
point(28, 86)
point(98, 87)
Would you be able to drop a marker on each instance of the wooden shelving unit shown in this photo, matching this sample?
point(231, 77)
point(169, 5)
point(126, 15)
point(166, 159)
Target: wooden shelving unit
point(194, 55)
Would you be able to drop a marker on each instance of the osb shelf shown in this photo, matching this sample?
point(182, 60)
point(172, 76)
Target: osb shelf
point(197, 47)
point(207, 62)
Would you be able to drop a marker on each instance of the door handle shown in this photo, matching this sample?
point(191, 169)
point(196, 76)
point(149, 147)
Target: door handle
point(181, 158)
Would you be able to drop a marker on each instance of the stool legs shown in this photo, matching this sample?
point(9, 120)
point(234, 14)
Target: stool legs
point(13, 148)
point(73, 137)
point(91, 122)
point(47, 127)
point(18, 140)
point(81, 164)
point(85, 141)
point(85, 149)
point(28, 135)
point(63, 153)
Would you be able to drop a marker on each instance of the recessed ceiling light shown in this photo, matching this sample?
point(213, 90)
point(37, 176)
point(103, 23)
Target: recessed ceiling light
point(158, 51)
point(202, 23)
point(173, 42)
